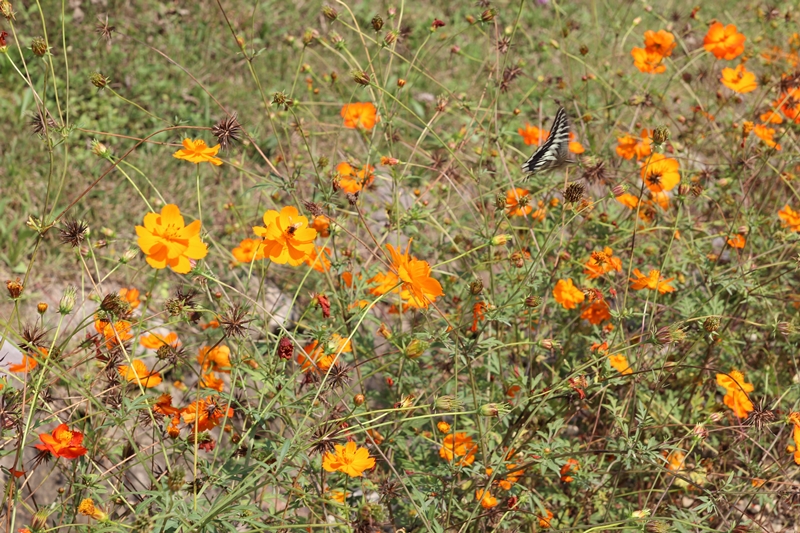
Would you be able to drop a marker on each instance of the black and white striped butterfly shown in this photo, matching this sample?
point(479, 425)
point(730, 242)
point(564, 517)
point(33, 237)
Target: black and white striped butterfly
point(554, 153)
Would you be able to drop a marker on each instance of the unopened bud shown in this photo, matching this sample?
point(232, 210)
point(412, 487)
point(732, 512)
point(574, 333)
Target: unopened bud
point(711, 324)
point(684, 189)
point(377, 23)
point(128, 256)
point(39, 46)
point(384, 332)
point(99, 149)
point(488, 15)
point(494, 409)
point(360, 77)
point(359, 399)
point(500, 240)
point(15, 288)
point(390, 38)
point(401, 83)
point(416, 348)
point(447, 403)
point(786, 328)
point(660, 135)
point(700, 431)
point(67, 302)
point(548, 344)
point(99, 80)
point(476, 287)
point(41, 308)
point(329, 13)
point(533, 301)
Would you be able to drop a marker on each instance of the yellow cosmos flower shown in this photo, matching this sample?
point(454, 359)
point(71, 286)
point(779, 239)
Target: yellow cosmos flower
point(349, 459)
point(661, 173)
point(567, 294)
point(419, 288)
point(168, 241)
point(197, 152)
point(287, 237)
point(139, 373)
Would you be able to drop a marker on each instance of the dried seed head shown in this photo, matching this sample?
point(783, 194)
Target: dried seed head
point(281, 99)
point(390, 38)
point(6, 9)
point(99, 80)
point(760, 417)
point(476, 287)
point(584, 50)
point(39, 46)
point(503, 45)
point(73, 232)
point(233, 321)
point(227, 131)
point(697, 190)
point(285, 348)
point(595, 173)
point(103, 28)
point(39, 125)
point(574, 192)
point(338, 375)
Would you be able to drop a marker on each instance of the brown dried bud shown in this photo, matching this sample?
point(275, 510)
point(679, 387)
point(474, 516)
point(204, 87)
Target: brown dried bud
point(660, 135)
point(99, 80)
point(39, 46)
point(476, 287)
point(697, 190)
point(517, 259)
point(377, 23)
point(574, 192)
point(390, 38)
point(711, 324)
point(359, 399)
point(533, 301)
point(14, 288)
point(6, 9)
point(584, 49)
point(488, 15)
point(360, 77)
point(329, 13)
point(285, 348)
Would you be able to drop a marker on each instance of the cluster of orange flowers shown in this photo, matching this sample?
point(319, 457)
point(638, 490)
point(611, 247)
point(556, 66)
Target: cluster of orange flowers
point(201, 415)
point(657, 46)
point(458, 445)
point(736, 389)
point(409, 276)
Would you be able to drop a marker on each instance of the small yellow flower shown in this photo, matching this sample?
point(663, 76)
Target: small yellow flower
point(349, 459)
point(87, 508)
point(197, 152)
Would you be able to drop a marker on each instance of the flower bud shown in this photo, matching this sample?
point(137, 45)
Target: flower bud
point(584, 50)
point(401, 83)
point(15, 288)
point(488, 15)
point(99, 80)
point(494, 409)
point(39, 46)
point(67, 302)
point(660, 135)
point(99, 149)
point(329, 13)
point(684, 189)
point(384, 332)
point(618, 190)
point(443, 427)
point(711, 324)
point(128, 256)
point(390, 38)
point(6, 9)
point(447, 403)
point(309, 36)
point(41, 308)
point(548, 344)
point(175, 480)
point(416, 348)
point(359, 399)
point(377, 23)
point(360, 77)
point(786, 328)
point(533, 301)
point(700, 431)
point(476, 287)
point(500, 240)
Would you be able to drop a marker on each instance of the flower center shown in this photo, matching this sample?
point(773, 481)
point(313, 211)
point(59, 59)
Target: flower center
point(654, 178)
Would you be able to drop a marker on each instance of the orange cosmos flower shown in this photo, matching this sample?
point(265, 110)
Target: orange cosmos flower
point(736, 390)
point(567, 294)
point(87, 508)
point(155, 341)
point(487, 500)
point(418, 287)
point(648, 61)
point(164, 406)
point(318, 259)
point(351, 179)
point(660, 173)
point(205, 414)
point(770, 117)
point(197, 152)
point(628, 200)
point(29, 362)
point(602, 263)
point(739, 80)
point(653, 281)
point(139, 373)
point(789, 103)
point(62, 443)
point(629, 146)
point(794, 418)
point(597, 313)
point(215, 359)
point(360, 115)
point(319, 358)
point(675, 461)
point(131, 296)
point(789, 218)
point(349, 459)
point(545, 519)
point(517, 202)
point(478, 313)
point(737, 241)
point(386, 282)
point(287, 237)
point(322, 224)
point(168, 241)
point(211, 381)
point(571, 466)
point(458, 445)
point(118, 332)
point(661, 42)
point(249, 250)
point(724, 41)
point(574, 146)
point(620, 363)
point(443, 427)
point(767, 135)
point(531, 135)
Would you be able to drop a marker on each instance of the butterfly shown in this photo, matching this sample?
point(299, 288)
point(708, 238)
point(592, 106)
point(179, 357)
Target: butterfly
point(554, 152)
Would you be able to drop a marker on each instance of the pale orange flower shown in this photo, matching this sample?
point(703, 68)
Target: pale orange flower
point(767, 135)
point(29, 360)
point(574, 146)
point(545, 519)
point(660, 173)
point(517, 202)
point(770, 117)
point(322, 224)
point(119, 331)
point(629, 146)
point(249, 250)
point(739, 80)
point(736, 389)
point(351, 179)
point(211, 381)
point(790, 218)
point(600, 263)
point(794, 418)
point(628, 200)
point(87, 508)
point(620, 363)
point(487, 500)
point(724, 41)
point(648, 61)
point(139, 373)
point(531, 135)
point(567, 294)
point(388, 281)
point(154, 341)
point(737, 241)
point(197, 152)
point(287, 237)
point(675, 461)
point(360, 115)
point(168, 241)
point(653, 281)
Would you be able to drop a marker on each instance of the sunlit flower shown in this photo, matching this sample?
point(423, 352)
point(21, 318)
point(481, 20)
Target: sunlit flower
point(767, 135)
point(388, 281)
point(418, 287)
point(318, 259)
point(287, 237)
point(211, 381)
point(443, 427)
point(139, 373)
point(352, 179)
point(737, 241)
point(249, 250)
point(770, 117)
point(531, 135)
point(739, 80)
point(197, 152)
point(62, 443)
point(626, 146)
point(87, 508)
point(545, 519)
point(789, 103)
point(131, 296)
point(168, 241)
point(794, 418)
point(458, 445)
point(29, 360)
point(360, 115)
point(349, 459)
point(517, 202)
point(661, 42)
point(154, 341)
point(574, 146)
point(660, 173)
point(736, 390)
point(790, 218)
point(620, 363)
point(570, 467)
point(653, 281)
point(205, 414)
point(628, 200)
point(322, 224)
point(724, 41)
point(114, 333)
point(217, 359)
point(597, 313)
point(567, 294)
point(602, 263)
point(648, 61)
point(487, 500)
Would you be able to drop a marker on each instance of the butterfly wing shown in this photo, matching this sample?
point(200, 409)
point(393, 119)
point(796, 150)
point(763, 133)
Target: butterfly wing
point(554, 152)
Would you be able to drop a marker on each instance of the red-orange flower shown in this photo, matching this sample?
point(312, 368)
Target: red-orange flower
point(531, 135)
point(602, 263)
point(736, 389)
point(458, 445)
point(661, 42)
point(206, 413)
point(352, 179)
point(360, 115)
point(131, 296)
point(487, 500)
point(789, 218)
point(737, 241)
point(119, 331)
point(724, 41)
point(62, 443)
point(767, 135)
point(571, 466)
point(597, 312)
point(629, 146)
point(517, 202)
point(318, 259)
